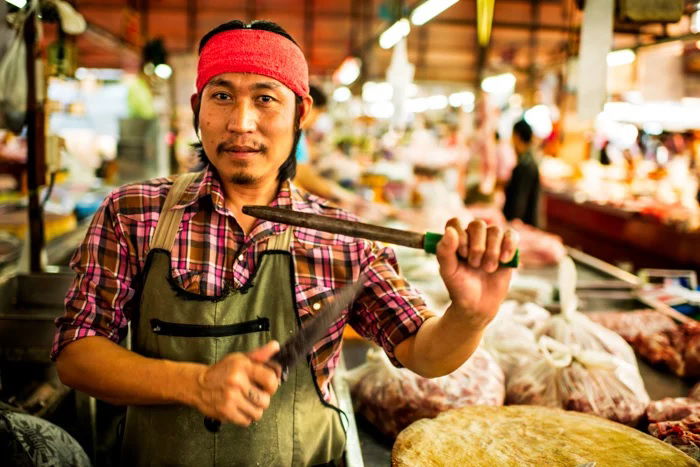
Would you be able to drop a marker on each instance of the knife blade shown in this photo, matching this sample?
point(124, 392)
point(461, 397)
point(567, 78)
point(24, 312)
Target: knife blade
point(426, 242)
point(300, 344)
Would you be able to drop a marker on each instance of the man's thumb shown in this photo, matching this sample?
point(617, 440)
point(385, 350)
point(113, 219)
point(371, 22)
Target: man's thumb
point(264, 353)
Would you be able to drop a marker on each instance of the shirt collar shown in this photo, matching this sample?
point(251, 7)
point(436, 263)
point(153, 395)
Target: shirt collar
point(209, 184)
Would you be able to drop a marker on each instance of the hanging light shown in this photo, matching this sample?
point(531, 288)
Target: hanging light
point(348, 71)
point(163, 71)
point(17, 3)
point(620, 57)
point(342, 94)
point(394, 34)
point(499, 84)
point(429, 10)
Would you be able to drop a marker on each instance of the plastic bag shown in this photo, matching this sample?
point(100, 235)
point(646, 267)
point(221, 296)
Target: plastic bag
point(392, 398)
point(582, 380)
point(573, 328)
point(13, 83)
point(510, 337)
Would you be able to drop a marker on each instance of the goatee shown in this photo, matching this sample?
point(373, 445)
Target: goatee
point(242, 178)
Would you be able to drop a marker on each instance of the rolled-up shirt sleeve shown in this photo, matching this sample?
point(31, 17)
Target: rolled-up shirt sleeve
point(389, 310)
point(97, 302)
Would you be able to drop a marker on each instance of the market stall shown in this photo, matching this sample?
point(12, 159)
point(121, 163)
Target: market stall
point(596, 279)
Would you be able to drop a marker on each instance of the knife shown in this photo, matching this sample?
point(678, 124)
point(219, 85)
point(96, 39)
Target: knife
point(300, 344)
point(426, 242)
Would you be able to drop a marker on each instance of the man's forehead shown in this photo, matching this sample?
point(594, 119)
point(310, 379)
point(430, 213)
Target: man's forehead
point(247, 81)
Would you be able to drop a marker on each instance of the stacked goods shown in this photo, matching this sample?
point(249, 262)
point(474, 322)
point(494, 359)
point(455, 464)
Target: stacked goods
point(581, 380)
point(392, 398)
point(573, 328)
point(521, 435)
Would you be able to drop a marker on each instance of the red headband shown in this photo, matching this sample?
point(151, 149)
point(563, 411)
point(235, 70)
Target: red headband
point(254, 51)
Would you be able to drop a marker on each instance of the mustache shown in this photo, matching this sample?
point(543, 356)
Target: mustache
point(228, 146)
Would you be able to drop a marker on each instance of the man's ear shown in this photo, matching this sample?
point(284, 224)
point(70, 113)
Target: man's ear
point(194, 102)
point(307, 103)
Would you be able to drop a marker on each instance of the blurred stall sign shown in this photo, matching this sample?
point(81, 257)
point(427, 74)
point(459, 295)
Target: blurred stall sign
point(650, 11)
point(131, 26)
point(596, 39)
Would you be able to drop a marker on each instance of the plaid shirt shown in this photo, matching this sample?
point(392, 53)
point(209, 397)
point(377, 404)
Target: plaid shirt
point(211, 254)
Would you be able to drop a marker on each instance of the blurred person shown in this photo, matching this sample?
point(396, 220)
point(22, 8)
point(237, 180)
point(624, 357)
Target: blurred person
point(209, 291)
point(308, 177)
point(522, 191)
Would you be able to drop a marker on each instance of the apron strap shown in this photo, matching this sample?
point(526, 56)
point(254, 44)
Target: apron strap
point(169, 220)
point(281, 241)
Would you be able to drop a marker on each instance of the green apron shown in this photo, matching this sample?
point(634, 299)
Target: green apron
point(298, 428)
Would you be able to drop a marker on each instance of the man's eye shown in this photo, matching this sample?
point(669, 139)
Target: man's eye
point(266, 99)
point(220, 96)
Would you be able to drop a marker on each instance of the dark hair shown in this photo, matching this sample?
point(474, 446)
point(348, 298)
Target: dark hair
point(319, 97)
point(523, 130)
point(288, 169)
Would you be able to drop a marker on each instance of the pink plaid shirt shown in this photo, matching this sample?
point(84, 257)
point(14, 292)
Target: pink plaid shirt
point(211, 255)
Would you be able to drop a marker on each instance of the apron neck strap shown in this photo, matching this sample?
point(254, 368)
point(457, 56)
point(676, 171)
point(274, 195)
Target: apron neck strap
point(281, 241)
point(169, 220)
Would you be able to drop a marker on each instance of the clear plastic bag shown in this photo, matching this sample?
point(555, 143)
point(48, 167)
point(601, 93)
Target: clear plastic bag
point(573, 328)
point(510, 337)
point(392, 398)
point(581, 380)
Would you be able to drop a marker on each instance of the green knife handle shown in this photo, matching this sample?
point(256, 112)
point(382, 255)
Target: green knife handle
point(430, 246)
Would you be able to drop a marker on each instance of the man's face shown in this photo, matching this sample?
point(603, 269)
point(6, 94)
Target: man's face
point(247, 125)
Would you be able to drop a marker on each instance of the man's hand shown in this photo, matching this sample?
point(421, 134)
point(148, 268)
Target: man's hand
point(469, 260)
point(238, 388)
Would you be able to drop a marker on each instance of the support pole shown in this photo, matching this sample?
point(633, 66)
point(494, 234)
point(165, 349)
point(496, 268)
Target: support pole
point(36, 134)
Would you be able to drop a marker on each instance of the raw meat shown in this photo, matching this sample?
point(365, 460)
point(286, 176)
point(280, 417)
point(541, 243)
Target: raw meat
point(573, 328)
point(537, 247)
point(672, 408)
point(581, 380)
point(630, 324)
point(677, 349)
point(392, 398)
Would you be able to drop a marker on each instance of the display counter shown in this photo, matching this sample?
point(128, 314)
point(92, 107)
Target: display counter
point(620, 236)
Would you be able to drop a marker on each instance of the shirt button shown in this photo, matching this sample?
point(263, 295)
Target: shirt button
point(241, 257)
point(316, 306)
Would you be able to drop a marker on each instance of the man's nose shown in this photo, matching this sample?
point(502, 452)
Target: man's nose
point(242, 119)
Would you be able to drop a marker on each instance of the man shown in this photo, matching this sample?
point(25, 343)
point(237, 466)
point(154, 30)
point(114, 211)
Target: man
point(210, 291)
point(523, 189)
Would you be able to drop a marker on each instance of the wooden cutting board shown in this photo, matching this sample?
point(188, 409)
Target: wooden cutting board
point(528, 436)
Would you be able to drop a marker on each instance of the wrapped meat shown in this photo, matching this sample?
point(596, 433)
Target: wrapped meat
point(573, 328)
point(672, 408)
point(537, 247)
point(630, 324)
point(392, 398)
point(581, 380)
